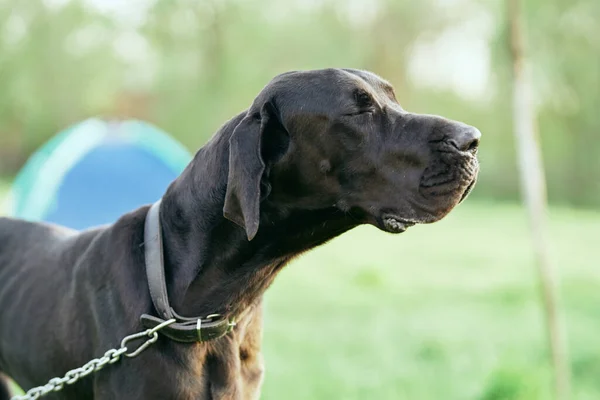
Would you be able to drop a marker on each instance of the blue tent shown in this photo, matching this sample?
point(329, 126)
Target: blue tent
point(95, 171)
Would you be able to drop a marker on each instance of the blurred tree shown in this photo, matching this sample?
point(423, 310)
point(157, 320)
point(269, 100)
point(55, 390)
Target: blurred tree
point(533, 185)
point(566, 77)
point(54, 70)
point(190, 65)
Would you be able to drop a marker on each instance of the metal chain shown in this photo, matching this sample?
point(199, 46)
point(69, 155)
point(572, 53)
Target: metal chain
point(110, 357)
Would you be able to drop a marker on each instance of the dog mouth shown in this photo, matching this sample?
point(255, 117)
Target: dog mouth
point(394, 224)
point(468, 190)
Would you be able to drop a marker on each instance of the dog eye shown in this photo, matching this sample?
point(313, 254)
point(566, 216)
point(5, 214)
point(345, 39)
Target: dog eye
point(363, 99)
point(364, 103)
point(362, 111)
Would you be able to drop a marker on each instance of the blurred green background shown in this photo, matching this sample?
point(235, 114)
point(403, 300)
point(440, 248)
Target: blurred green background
point(400, 319)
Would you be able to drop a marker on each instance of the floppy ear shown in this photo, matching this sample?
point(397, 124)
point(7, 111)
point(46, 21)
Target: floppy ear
point(246, 169)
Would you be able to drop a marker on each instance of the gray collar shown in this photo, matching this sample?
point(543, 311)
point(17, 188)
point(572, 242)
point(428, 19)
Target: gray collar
point(197, 329)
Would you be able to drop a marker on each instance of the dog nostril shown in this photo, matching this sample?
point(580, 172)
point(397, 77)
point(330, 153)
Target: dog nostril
point(473, 145)
point(467, 139)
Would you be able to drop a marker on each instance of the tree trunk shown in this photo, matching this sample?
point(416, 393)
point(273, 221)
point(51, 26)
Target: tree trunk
point(533, 190)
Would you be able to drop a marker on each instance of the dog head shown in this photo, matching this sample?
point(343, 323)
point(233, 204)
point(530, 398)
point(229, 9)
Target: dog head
point(339, 138)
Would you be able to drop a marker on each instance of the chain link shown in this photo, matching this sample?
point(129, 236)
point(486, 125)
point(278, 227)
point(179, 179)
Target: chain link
point(110, 357)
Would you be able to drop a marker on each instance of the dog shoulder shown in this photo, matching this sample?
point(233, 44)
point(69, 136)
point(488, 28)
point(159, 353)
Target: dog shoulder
point(17, 235)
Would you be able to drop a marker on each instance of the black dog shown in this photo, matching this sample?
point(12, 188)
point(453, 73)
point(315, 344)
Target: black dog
point(317, 153)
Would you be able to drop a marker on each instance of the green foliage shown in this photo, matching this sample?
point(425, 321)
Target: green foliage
point(514, 382)
point(4, 187)
point(190, 66)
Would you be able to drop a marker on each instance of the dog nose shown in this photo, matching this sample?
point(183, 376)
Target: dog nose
point(466, 139)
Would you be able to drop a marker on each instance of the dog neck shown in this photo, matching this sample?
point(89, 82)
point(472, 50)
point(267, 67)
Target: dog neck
point(210, 265)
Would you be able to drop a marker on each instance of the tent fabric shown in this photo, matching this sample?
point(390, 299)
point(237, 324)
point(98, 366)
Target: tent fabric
point(95, 171)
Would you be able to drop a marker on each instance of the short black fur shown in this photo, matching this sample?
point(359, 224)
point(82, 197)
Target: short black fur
point(288, 174)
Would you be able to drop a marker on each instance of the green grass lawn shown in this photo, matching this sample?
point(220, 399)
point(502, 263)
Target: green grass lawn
point(442, 312)
point(445, 311)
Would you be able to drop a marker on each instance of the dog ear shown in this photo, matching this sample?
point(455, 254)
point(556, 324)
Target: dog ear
point(248, 160)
